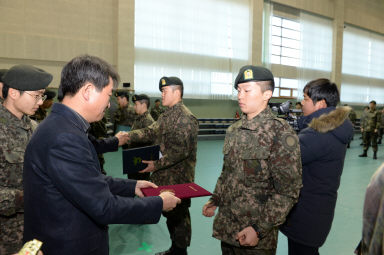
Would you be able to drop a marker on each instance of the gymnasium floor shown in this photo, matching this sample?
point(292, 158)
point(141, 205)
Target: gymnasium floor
point(346, 228)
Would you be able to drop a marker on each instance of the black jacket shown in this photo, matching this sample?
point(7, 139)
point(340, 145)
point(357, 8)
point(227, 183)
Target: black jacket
point(68, 203)
point(323, 145)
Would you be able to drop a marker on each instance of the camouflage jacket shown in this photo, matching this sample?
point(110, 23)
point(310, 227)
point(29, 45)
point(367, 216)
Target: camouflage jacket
point(176, 133)
point(125, 116)
point(98, 128)
point(373, 216)
point(141, 121)
point(14, 137)
point(352, 116)
point(372, 121)
point(156, 112)
point(260, 180)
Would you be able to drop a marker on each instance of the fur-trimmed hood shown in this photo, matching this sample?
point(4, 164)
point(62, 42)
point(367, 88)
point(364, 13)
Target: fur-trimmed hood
point(330, 119)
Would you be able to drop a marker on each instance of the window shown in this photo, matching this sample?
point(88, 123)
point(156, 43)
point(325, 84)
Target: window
point(285, 88)
point(204, 42)
point(300, 42)
point(285, 41)
point(363, 66)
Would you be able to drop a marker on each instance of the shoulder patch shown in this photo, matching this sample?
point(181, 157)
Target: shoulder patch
point(289, 141)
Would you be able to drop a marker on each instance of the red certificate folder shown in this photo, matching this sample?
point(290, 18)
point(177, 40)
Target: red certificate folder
point(185, 190)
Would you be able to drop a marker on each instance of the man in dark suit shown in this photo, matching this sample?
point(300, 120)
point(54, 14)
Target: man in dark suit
point(68, 202)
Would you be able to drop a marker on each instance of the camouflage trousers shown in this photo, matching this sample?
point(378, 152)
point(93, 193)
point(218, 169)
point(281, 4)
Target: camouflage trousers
point(228, 249)
point(370, 138)
point(11, 233)
point(179, 224)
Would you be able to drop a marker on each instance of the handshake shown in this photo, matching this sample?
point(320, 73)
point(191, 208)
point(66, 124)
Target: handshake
point(169, 199)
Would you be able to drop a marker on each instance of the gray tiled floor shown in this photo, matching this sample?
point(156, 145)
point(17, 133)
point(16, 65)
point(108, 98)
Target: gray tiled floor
point(345, 233)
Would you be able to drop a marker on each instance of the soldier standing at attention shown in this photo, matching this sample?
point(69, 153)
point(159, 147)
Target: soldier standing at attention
point(41, 113)
point(125, 115)
point(157, 110)
point(143, 120)
point(23, 91)
point(176, 133)
point(370, 129)
point(261, 176)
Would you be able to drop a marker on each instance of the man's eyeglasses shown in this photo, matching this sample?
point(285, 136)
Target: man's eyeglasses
point(37, 97)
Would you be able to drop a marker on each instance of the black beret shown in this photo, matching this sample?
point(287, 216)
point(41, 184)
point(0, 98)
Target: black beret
point(2, 72)
point(27, 78)
point(50, 94)
point(167, 81)
point(253, 73)
point(140, 97)
point(122, 93)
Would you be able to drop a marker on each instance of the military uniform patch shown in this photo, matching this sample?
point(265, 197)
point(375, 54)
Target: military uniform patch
point(289, 141)
point(248, 74)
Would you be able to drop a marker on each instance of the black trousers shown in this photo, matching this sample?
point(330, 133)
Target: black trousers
point(228, 249)
point(295, 248)
point(179, 224)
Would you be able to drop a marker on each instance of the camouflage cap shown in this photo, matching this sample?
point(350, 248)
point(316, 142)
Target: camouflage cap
point(140, 97)
point(167, 81)
point(2, 72)
point(253, 73)
point(50, 94)
point(27, 78)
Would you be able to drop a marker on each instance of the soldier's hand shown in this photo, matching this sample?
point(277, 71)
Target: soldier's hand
point(375, 130)
point(143, 184)
point(123, 137)
point(247, 237)
point(149, 168)
point(169, 200)
point(209, 209)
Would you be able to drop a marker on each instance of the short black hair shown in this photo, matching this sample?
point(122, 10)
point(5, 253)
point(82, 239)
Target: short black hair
point(322, 89)
point(5, 90)
point(373, 102)
point(145, 101)
point(83, 69)
point(298, 103)
point(157, 100)
point(178, 87)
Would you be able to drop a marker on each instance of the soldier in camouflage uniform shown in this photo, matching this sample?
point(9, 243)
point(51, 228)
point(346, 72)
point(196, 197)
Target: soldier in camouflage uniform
point(41, 113)
point(125, 115)
point(176, 133)
point(261, 176)
point(143, 120)
point(2, 72)
point(370, 129)
point(156, 110)
point(23, 87)
point(381, 130)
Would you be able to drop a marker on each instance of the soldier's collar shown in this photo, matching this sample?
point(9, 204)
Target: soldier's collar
point(254, 122)
point(22, 123)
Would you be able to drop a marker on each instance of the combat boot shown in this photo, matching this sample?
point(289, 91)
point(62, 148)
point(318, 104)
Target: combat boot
point(375, 155)
point(364, 154)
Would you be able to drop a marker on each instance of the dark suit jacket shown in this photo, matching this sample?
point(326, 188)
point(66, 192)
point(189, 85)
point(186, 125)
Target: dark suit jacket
point(68, 202)
point(103, 145)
